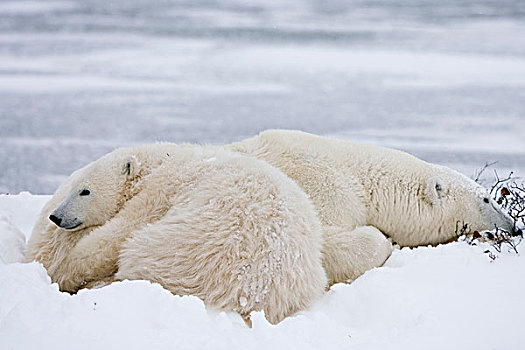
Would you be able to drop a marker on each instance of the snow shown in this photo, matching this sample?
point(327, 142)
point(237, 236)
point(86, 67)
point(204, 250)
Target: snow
point(447, 297)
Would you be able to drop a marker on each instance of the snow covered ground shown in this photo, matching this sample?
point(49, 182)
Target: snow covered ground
point(449, 297)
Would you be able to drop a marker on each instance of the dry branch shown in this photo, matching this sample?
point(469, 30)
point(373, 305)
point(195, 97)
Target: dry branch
point(510, 195)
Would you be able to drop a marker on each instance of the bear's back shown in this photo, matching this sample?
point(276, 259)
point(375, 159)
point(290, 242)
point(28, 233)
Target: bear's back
point(239, 234)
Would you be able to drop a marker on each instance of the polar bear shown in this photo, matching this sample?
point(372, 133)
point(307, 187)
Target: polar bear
point(363, 190)
point(229, 229)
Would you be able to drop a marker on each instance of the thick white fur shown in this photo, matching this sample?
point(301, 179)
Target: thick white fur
point(229, 229)
point(51, 245)
point(354, 185)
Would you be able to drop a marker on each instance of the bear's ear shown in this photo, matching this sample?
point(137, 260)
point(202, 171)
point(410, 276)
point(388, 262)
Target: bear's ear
point(433, 192)
point(130, 168)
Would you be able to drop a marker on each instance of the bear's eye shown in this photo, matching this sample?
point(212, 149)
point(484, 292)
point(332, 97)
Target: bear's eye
point(85, 193)
point(486, 200)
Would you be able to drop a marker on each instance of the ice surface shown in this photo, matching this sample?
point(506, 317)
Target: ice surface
point(33, 7)
point(449, 297)
point(444, 80)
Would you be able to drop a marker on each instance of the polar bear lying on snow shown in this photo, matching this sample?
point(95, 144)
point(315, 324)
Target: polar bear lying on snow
point(229, 229)
point(354, 185)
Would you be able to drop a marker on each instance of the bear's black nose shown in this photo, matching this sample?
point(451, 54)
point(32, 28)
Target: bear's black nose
point(56, 220)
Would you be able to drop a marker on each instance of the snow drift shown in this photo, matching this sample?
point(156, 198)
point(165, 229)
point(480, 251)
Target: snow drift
point(452, 296)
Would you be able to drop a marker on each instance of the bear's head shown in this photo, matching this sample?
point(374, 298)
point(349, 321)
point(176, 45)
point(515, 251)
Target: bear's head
point(97, 192)
point(462, 201)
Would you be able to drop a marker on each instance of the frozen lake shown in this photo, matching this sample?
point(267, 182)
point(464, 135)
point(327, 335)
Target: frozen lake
point(444, 80)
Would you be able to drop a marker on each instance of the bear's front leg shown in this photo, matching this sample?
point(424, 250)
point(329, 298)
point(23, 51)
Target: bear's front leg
point(347, 254)
point(95, 257)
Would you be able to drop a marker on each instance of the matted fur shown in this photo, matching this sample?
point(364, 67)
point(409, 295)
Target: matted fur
point(230, 229)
